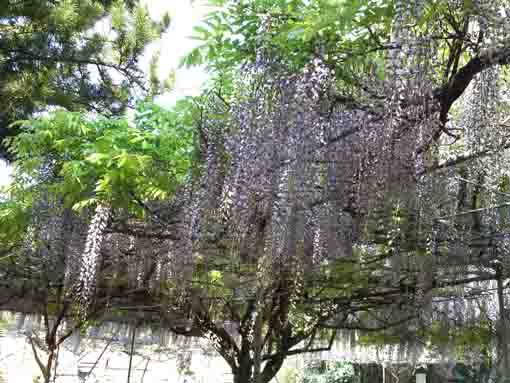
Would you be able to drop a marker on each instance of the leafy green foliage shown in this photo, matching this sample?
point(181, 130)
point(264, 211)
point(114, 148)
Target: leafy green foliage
point(62, 54)
point(462, 338)
point(84, 160)
point(14, 219)
point(354, 37)
point(349, 33)
point(338, 372)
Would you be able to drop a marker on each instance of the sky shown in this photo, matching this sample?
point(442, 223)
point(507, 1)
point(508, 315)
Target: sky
point(173, 45)
point(4, 173)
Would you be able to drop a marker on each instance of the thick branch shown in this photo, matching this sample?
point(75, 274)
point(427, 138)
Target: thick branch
point(224, 343)
point(304, 350)
point(449, 93)
point(37, 359)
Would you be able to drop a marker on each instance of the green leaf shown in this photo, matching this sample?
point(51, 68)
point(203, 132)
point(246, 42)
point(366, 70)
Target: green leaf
point(96, 158)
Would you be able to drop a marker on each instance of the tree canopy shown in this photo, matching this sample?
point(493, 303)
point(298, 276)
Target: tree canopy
point(345, 170)
point(78, 55)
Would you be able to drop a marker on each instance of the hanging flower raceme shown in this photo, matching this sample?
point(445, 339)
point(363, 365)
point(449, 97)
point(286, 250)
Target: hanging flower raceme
point(91, 254)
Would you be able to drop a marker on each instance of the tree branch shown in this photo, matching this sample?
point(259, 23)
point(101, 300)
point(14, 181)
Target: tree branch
point(443, 165)
point(306, 349)
point(449, 93)
point(37, 359)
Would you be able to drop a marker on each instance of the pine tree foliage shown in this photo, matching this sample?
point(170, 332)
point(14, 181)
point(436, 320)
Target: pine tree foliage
point(78, 55)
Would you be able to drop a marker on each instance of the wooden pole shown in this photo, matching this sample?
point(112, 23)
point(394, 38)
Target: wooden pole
point(97, 360)
point(145, 369)
point(503, 335)
point(131, 353)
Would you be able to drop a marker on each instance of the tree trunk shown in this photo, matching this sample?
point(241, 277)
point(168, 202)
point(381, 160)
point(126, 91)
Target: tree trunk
point(49, 366)
point(244, 373)
point(247, 375)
